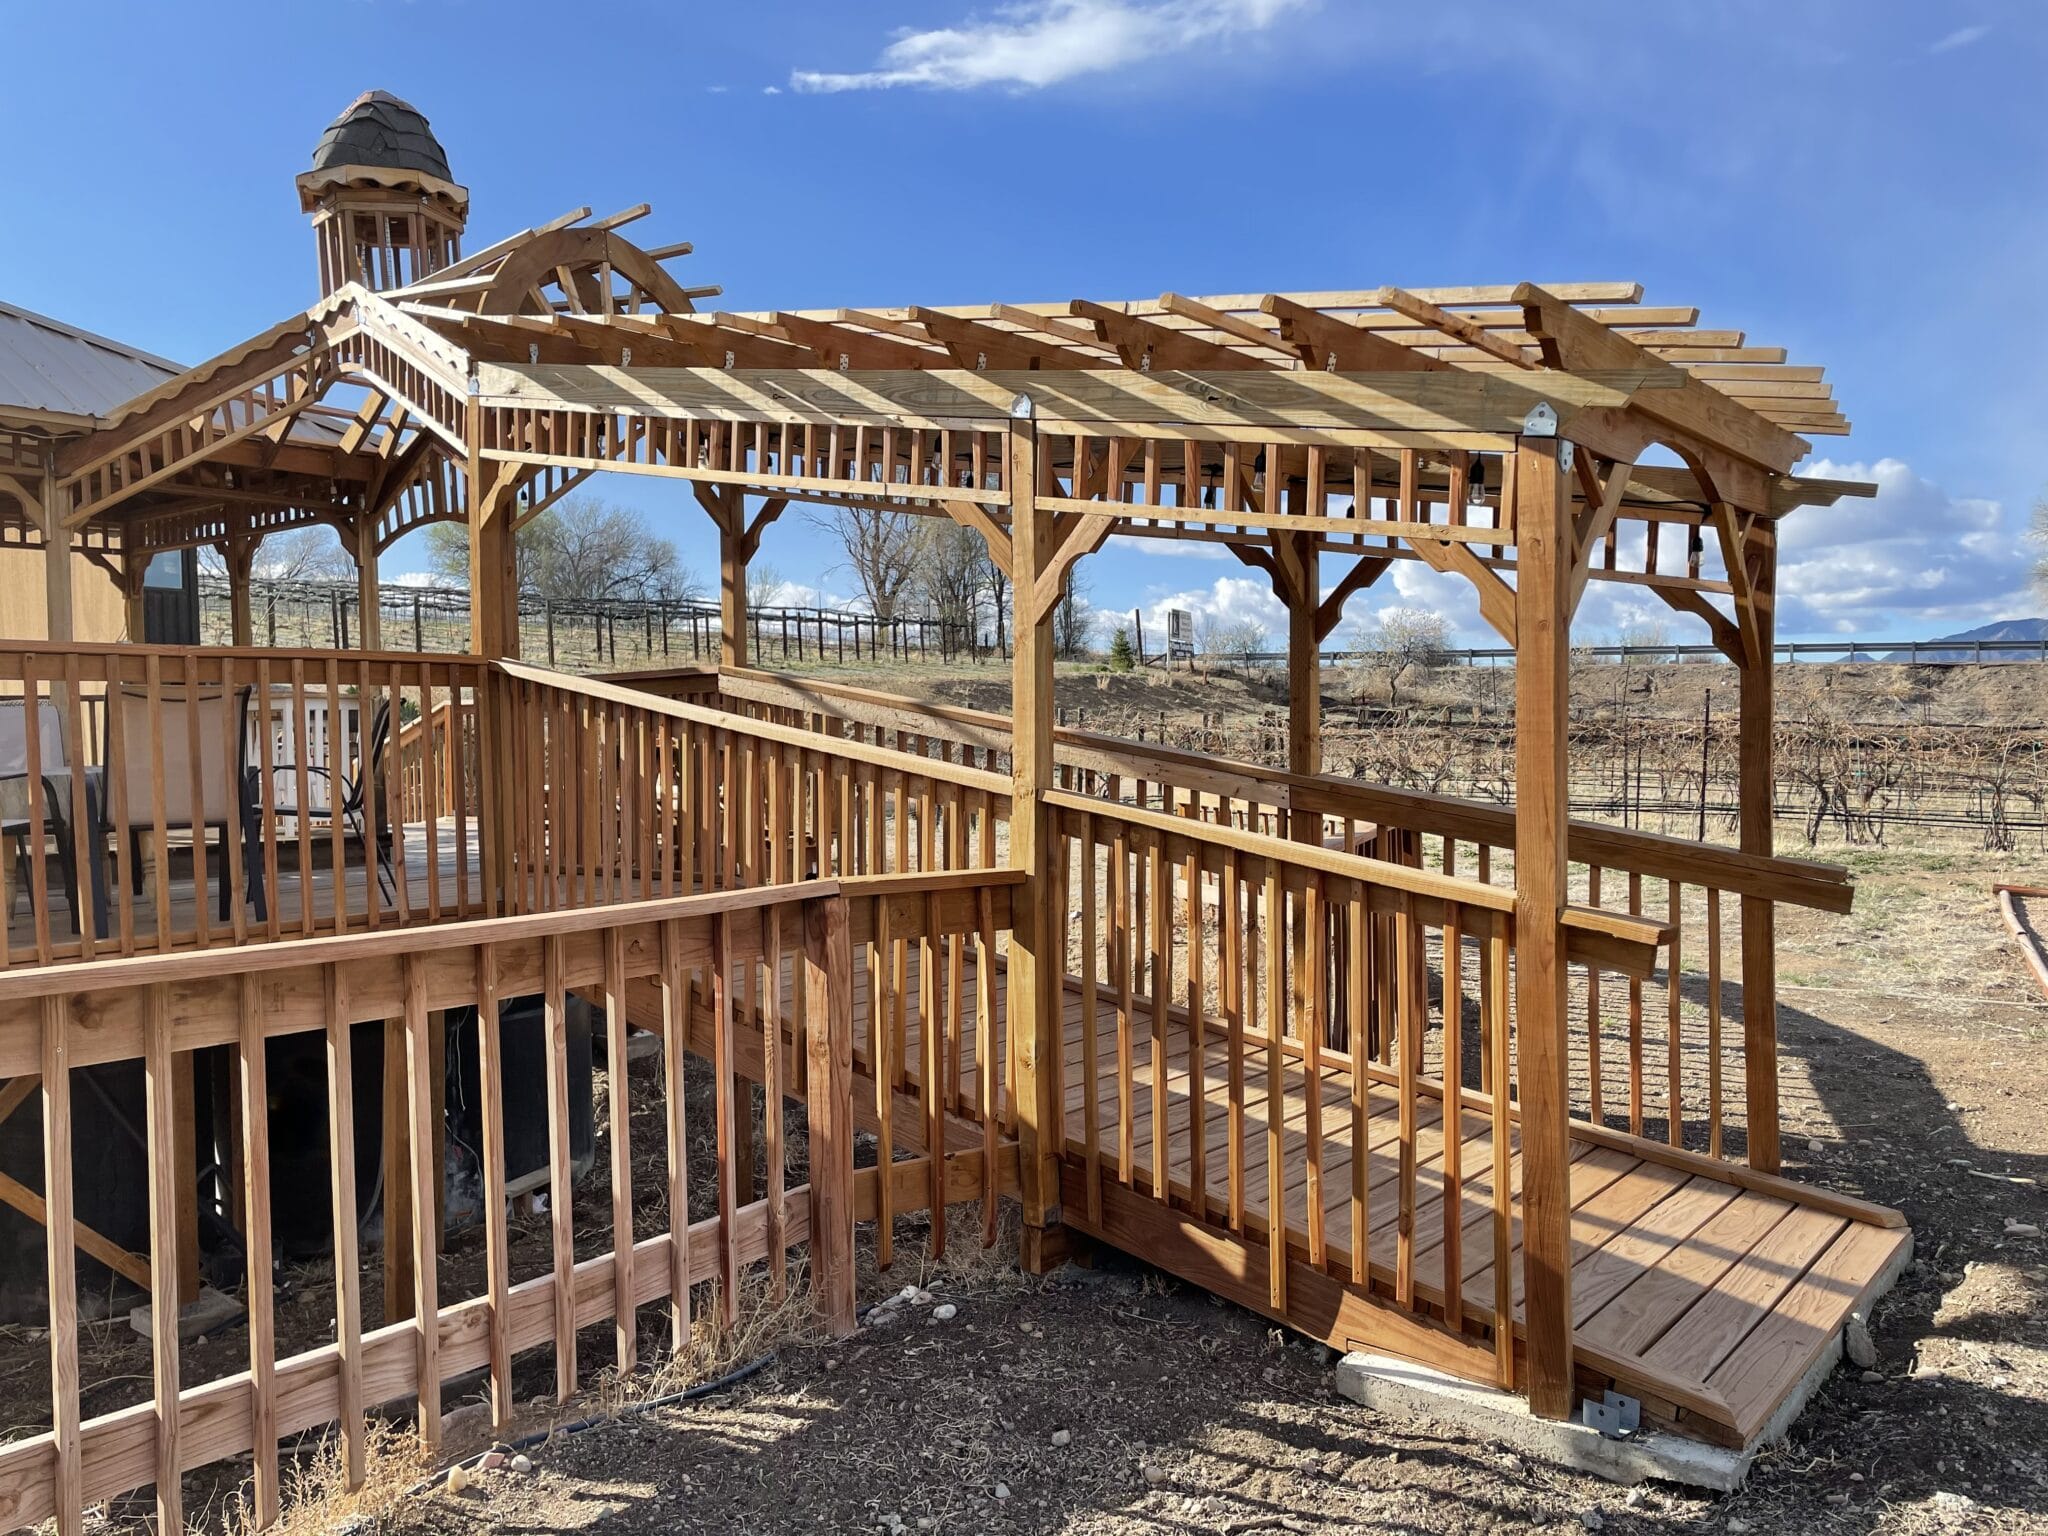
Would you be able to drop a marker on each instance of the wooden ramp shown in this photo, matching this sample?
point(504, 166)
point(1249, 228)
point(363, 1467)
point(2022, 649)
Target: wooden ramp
point(1702, 1288)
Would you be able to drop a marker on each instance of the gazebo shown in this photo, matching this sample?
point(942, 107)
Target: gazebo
point(1404, 1072)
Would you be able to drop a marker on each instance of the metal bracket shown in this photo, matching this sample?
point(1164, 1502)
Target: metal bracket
point(1021, 408)
point(1617, 1416)
point(1541, 421)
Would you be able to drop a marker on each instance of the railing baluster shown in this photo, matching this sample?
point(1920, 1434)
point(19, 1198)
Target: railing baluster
point(561, 1181)
point(1713, 1021)
point(254, 1081)
point(1454, 1113)
point(160, 1119)
point(426, 1189)
point(619, 1103)
point(1674, 1036)
point(341, 1163)
point(1276, 1093)
point(59, 1214)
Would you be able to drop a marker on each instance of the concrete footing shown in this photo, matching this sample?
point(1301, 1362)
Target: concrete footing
point(1405, 1389)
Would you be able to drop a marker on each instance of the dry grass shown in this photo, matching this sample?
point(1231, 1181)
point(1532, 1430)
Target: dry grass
point(317, 1500)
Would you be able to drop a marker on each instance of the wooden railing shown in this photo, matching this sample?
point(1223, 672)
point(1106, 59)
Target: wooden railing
point(438, 759)
point(61, 1017)
point(618, 795)
point(1672, 1061)
point(1253, 1016)
point(190, 798)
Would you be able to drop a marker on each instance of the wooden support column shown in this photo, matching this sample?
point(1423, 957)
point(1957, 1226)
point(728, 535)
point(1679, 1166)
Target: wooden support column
point(1758, 814)
point(493, 561)
point(369, 610)
point(57, 602)
point(240, 554)
point(1304, 659)
point(134, 563)
point(1038, 937)
point(732, 579)
point(1542, 691)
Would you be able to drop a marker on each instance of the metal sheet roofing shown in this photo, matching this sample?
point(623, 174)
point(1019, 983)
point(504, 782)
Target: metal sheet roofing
point(46, 365)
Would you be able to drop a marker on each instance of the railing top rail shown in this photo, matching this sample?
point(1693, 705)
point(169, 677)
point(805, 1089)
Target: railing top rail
point(995, 784)
point(22, 984)
point(1797, 882)
point(1311, 856)
point(348, 660)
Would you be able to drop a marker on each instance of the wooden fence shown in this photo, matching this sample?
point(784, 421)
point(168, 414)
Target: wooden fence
point(714, 946)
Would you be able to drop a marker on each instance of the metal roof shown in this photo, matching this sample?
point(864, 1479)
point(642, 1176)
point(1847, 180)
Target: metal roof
point(46, 365)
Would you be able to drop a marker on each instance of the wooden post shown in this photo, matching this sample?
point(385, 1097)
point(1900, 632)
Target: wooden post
point(240, 554)
point(56, 573)
point(1542, 689)
point(493, 560)
point(1037, 938)
point(134, 563)
point(1304, 660)
point(369, 606)
point(1759, 915)
point(828, 1030)
point(732, 580)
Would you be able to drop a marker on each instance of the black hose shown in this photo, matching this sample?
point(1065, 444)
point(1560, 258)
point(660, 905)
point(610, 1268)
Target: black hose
point(542, 1436)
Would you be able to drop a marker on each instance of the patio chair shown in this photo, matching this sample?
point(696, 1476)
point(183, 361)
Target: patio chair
point(209, 797)
point(17, 830)
point(356, 799)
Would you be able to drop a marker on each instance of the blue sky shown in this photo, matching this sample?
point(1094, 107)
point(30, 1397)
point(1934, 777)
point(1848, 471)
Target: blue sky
point(1859, 182)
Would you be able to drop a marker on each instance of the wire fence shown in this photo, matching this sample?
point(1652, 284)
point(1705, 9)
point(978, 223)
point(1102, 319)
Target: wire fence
point(584, 635)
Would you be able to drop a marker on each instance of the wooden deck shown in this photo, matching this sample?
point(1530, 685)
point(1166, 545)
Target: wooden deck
point(453, 888)
point(1704, 1289)
point(1700, 1287)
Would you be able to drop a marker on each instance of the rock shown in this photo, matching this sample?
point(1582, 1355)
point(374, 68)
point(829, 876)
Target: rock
point(1153, 1473)
point(1814, 1148)
point(2021, 1228)
point(1736, 1527)
point(1857, 1343)
point(522, 1463)
point(945, 1312)
point(1874, 1378)
point(1592, 1520)
point(1061, 1439)
point(1002, 1491)
point(492, 1461)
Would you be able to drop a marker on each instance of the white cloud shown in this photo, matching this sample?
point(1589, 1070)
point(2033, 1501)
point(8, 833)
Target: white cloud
point(1962, 37)
point(1913, 558)
point(1227, 600)
point(1036, 43)
point(771, 90)
point(1168, 549)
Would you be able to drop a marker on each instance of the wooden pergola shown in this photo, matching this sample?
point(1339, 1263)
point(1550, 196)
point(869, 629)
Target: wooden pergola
point(1529, 439)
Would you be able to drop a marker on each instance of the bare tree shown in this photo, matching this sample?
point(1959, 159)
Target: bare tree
point(763, 582)
point(1237, 640)
point(312, 553)
point(1398, 641)
point(2038, 534)
point(582, 549)
point(881, 549)
point(950, 577)
point(1073, 617)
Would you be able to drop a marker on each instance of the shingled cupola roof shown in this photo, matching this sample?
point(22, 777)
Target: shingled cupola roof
point(381, 141)
point(380, 130)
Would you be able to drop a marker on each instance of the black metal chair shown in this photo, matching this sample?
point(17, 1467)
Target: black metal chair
point(354, 799)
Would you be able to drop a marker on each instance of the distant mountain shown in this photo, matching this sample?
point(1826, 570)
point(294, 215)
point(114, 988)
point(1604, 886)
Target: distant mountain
point(2031, 631)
